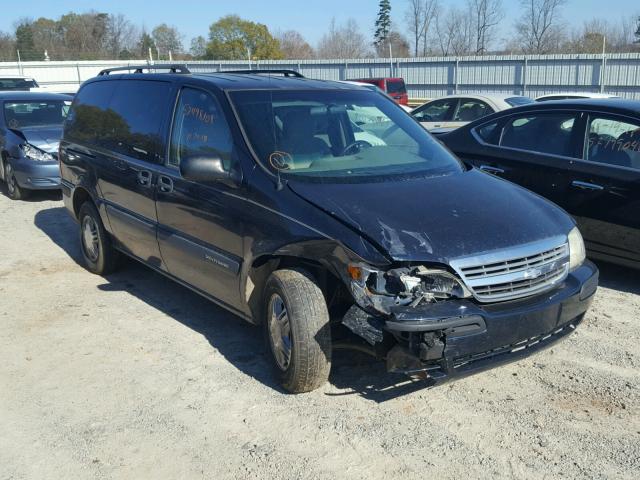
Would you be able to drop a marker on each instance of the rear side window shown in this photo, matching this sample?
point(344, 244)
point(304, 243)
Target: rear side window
point(136, 113)
point(541, 133)
point(471, 110)
point(614, 142)
point(89, 118)
point(438, 111)
point(200, 129)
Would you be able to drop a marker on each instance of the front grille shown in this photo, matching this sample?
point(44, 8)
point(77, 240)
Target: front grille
point(516, 273)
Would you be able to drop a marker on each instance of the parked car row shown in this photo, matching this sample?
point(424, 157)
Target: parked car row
point(323, 212)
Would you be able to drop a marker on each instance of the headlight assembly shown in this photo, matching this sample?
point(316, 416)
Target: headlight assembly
point(35, 154)
point(577, 252)
point(406, 286)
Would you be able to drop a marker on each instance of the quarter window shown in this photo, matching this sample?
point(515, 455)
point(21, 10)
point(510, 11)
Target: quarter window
point(614, 142)
point(200, 129)
point(488, 133)
point(544, 133)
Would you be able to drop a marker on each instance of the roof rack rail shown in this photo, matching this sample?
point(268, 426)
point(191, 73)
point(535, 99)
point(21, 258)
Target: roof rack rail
point(286, 73)
point(139, 69)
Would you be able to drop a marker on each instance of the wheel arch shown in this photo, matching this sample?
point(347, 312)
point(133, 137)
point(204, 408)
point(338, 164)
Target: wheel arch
point(323, 259)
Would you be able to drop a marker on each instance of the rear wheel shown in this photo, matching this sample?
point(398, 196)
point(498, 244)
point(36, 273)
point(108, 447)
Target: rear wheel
point(14, 191)
point(298, 331)
point(99, 255)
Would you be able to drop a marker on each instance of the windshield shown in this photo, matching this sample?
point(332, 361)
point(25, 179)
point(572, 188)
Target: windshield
point(34, 114)
point(330, 133)
point(517, 101)
point(23, 84)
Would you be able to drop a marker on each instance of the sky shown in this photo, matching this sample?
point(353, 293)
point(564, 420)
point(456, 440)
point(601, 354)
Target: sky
point(310, 17)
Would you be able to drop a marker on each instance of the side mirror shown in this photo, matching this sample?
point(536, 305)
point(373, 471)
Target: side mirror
point(208, 170)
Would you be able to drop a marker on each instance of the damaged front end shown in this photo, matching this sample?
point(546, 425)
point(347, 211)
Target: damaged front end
point(384, 299)
point(425, 322)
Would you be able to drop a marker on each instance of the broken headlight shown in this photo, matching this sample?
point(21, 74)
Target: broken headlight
point(406, 286)
point(35, 154)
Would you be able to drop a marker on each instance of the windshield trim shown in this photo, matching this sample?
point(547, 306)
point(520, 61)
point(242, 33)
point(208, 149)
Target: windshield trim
point(277, 175)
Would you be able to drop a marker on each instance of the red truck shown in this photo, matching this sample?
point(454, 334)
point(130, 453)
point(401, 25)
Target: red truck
point(394, 87)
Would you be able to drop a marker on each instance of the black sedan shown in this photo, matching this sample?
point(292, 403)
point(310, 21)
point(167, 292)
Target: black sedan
point(583, 155)
point(30, 131)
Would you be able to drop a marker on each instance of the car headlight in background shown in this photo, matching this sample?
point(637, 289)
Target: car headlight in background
point(35, 154)
point(577, 252)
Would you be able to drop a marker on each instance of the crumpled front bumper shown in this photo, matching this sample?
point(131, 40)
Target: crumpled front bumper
point(471, 337)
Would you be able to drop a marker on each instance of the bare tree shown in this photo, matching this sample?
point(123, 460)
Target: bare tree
point(539, 28)
point(121, 36)
point(343, 41)
point(485, 17)
point(294, 46)
point(420, 16)
point(167, 39)
point(453, 32)
point(597, 33)
point(7, 47)
point(395, 44)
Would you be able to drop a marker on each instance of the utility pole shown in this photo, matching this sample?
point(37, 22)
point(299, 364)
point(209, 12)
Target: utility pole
point(390, 59)
point(249, 56)
point(19, 62)
point(604, 63)
point(150, 56)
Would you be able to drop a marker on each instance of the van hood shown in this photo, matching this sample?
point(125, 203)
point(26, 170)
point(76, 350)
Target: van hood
point(438, 219)
point(45, 138)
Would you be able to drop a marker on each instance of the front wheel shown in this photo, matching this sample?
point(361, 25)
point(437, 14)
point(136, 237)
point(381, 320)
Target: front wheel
point(298, 331)
point(14, 191)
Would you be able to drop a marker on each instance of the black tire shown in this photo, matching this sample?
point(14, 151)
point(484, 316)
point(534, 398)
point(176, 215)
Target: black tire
point(309, 338)
point(14, 191)
point(99, 257)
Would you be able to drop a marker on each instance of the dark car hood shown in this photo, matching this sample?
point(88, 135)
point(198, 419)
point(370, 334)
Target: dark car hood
point(440, 218)
point(45, 138)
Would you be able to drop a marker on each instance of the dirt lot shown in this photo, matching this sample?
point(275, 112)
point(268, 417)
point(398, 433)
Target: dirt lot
point(133, 376)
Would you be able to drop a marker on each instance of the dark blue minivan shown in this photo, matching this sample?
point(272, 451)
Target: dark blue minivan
point(323, 212)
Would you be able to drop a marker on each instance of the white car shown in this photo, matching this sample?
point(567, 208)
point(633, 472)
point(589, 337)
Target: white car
point(18, 83)
point(573, 96)
point(454, 111)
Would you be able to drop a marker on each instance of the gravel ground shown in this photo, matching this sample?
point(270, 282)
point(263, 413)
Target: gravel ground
point(133, 376)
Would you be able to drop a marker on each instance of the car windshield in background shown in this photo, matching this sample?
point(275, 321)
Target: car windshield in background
point(517, 101)
point(19, 115)
point(17, 84)
point(331, 133)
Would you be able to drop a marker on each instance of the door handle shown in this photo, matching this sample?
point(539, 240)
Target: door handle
point(144, 178)
point(587, 186)
point(492, 170)
point(165, 184)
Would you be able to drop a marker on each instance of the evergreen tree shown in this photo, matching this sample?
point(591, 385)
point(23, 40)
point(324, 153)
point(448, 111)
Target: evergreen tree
point(383, 23)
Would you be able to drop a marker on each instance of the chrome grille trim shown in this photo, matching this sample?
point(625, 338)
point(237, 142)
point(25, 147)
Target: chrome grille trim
point(515, 273)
